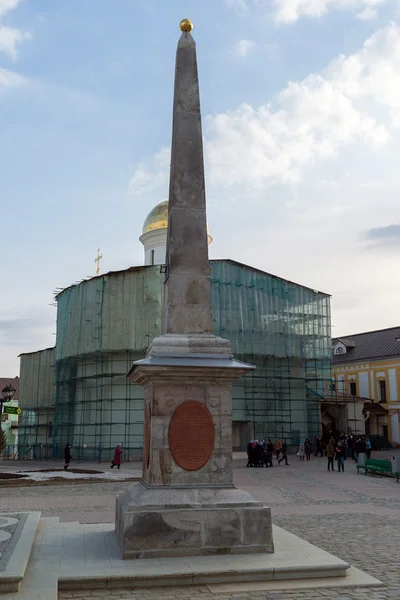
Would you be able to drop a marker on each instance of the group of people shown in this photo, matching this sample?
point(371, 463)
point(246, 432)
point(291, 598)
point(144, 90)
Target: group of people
point(353, 444)
point(116, 461)
point(338, 451)
point(261, 453)
point(359, 444)
point(344, 446)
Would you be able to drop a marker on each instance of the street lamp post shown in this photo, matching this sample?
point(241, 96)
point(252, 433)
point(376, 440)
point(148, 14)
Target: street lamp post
point(7, 395)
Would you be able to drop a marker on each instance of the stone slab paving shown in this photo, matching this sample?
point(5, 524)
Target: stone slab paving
point(355, 517)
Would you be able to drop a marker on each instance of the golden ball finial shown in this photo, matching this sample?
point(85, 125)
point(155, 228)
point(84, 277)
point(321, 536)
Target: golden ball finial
point(186, 25)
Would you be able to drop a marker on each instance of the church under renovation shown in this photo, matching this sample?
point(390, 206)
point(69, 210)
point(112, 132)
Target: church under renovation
point(78, 392)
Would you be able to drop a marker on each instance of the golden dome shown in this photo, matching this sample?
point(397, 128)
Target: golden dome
point(158, 219)
point(186, 25)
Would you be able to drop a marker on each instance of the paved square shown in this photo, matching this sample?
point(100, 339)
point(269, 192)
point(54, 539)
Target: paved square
point(355, 517)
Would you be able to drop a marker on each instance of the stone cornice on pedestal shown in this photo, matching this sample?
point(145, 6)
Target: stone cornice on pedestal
point(174, 370)
point(206, 356)
point(179, 343)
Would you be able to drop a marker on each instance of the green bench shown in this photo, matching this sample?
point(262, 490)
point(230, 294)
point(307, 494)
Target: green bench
point(380, 467)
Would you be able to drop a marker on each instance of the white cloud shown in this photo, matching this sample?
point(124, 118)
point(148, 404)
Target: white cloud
point(368, 14)
point(287, 11)
point(8, 5)
point(10, 37)
point(292, 10)
point(244, 47)
point(240, 6)
point(151, 175)
point(355, 100)
point(8, 79)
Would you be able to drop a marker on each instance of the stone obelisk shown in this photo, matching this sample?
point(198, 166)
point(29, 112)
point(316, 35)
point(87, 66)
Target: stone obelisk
point(186, 503)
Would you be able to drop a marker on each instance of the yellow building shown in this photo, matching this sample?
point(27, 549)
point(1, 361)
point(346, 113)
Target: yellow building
point(368, 365)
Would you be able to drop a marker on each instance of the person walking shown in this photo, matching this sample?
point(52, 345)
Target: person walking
point(319, 446)
point(307, 449)
point(330, 452)
point(284, 455)
point(116, 462)
point(350, 446)
point(340, 455)
point(368, 447)
point(301, 452)
point(270, 452)
point(278, 447)
point(359, 448)
point(67, 456)
point(343, 440)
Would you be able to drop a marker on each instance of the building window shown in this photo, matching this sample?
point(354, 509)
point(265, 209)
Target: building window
point(28, 417)
point(152, 257)
point(339, 350)
point(353, 388)
point(382, 391)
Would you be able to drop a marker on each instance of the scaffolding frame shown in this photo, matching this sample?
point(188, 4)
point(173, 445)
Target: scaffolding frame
point(107, 322)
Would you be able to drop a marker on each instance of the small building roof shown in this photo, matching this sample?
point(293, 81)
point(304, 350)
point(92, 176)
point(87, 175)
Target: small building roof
point(382, 343)
point(13, 381)
point(326, 395)
point(375, 408)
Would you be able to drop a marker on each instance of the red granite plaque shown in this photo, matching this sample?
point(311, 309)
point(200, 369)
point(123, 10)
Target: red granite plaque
point(191, 435)
point(146, 441)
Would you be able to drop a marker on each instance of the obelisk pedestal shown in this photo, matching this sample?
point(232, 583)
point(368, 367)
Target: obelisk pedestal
point(186, 503)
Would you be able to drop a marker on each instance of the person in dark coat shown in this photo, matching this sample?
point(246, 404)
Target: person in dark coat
point(340, 455)
point(67, 456)
point(330, 452)
point(359, 448)
point(270, 452)
point(284, 453)
point(250, 454)
point(319, 446)
point(116, 462)
point(350, 447)
point(307, 449)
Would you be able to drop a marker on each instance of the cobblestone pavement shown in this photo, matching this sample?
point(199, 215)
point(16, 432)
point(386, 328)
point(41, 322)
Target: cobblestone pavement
point(355, 517)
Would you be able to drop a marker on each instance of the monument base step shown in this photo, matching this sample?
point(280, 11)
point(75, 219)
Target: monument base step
point(17, 535)
point(294, 562)
point(74, 557)
point(173, 522)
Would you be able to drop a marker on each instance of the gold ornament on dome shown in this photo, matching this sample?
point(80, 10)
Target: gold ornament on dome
point(186, 25)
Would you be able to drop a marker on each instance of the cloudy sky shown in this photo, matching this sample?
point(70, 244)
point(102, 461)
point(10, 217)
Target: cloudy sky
point(301, 118)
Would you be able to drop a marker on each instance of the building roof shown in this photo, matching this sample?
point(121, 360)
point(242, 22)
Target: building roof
point(13, 381)
point(240, 264)
point(383, 343)
point(60, 291)
point(332, 396)
point(375, 409)
point(36, 351)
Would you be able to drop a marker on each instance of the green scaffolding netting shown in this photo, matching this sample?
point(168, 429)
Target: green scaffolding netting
point(78, 392)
